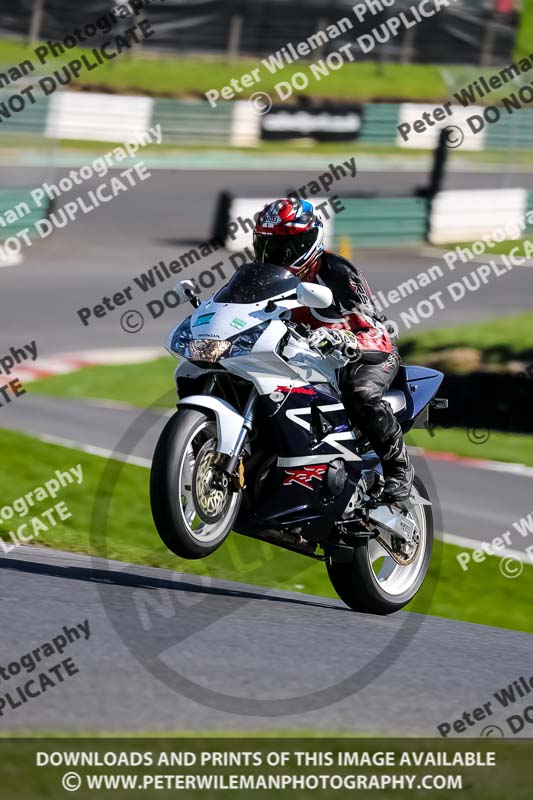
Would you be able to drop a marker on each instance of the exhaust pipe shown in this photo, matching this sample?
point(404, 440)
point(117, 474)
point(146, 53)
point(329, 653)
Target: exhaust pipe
point(289, 539)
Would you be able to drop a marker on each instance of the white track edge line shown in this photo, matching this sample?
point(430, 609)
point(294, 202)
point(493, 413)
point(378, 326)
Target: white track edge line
point(475, 544)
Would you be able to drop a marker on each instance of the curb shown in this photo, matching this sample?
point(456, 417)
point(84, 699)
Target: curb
point(63, 363)
point(477, 463)
point(475, 544)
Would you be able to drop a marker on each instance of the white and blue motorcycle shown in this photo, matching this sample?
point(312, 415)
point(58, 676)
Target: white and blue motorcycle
point(261, 444)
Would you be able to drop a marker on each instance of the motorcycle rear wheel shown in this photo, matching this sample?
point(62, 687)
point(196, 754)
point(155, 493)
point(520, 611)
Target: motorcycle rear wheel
point(192, 518)
point(373, 582)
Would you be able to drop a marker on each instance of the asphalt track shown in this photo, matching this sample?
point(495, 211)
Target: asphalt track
point(240, 641)
point(101, 253)
point(221, 647)
point(218, 655)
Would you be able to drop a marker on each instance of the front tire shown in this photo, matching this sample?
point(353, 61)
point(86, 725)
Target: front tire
point(373, 582)
point(192, 519)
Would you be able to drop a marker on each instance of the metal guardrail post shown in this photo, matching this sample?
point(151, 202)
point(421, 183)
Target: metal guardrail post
point(36, 21)
point(487, 47)
point(322, 23)
point(234, 37)
point(407, 46)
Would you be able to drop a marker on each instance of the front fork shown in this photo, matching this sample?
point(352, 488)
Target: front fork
point(230, 466)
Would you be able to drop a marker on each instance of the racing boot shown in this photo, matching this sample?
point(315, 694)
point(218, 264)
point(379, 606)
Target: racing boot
point(385, 436)
point(397, 469)
point(399, 475)
point(384, 433)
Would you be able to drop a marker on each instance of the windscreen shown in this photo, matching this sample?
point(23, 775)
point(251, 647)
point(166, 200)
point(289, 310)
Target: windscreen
point(253, 283)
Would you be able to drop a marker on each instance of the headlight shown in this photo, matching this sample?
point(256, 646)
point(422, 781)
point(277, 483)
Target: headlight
point(243, 343)
point(208, 349)
point(179, 338)
point(181, 342)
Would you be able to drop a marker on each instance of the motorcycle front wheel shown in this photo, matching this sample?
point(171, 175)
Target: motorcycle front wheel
point(374, 582)
point(192, 516)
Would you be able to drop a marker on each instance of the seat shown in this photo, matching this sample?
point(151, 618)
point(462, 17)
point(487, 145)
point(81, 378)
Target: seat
point(397, 400)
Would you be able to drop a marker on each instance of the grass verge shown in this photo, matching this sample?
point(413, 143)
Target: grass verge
point(138, 384)
point(491, 445)
point(498, 248)
point(498, 341)
point(178, 76)
point(292, 147)
point(85, 150)
point(131, 537)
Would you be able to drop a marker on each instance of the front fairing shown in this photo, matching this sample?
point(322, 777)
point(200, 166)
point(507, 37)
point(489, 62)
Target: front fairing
point(261, 363)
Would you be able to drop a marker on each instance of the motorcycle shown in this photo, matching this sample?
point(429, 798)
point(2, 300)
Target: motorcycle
point(262, 445)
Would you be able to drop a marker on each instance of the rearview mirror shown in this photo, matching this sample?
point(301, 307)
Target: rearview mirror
point(313, 295)
point(185, 292)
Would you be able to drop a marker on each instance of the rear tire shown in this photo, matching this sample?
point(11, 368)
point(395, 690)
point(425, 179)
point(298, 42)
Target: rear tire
point(357, 583)
point(177, 480)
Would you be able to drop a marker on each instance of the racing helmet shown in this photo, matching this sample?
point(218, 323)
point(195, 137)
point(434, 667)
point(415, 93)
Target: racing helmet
point(289, 233)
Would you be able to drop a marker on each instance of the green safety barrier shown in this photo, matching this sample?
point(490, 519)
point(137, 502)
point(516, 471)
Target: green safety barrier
point(511, 132)
point(193, 121)
point(379, 123)
point(31, 119)
point(18, 212)
point(182, 121)
point(529, 205)
point(381, 221)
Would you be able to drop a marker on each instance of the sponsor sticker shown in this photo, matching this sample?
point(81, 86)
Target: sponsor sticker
point(203, 320)
point(304, 476)
point(295, 390)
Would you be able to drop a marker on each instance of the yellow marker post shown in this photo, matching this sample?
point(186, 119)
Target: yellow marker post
point(345, 247)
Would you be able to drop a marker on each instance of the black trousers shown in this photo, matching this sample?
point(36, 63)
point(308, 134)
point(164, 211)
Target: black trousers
point(363, 386)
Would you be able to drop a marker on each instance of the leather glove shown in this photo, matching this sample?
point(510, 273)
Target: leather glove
point(334, 341)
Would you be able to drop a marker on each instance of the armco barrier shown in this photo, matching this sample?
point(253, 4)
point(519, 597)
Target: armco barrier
point(102, 117)
point(529, 201)
point(464, 215)
point(451, 216)
point(379, 123)
point(108, 117)
point(411, 114)
point(365, 222)
point(192, 121)
point(381, 221)
point(32, 120)
point(97, 117)
point(511, 132)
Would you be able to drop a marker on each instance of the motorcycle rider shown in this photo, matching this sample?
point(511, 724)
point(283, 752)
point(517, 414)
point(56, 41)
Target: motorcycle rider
point(290, 233)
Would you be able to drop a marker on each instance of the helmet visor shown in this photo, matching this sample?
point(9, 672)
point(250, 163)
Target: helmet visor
point(283, 251)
